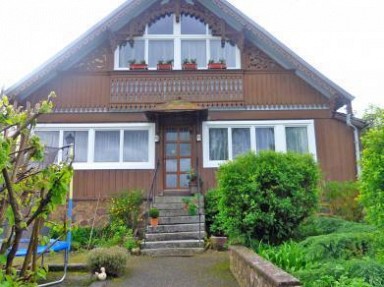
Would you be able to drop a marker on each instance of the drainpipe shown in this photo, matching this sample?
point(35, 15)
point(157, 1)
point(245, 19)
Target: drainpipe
point(357, 143)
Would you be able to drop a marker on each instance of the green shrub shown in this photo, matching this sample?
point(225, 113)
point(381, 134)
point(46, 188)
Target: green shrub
point(211, 206)
point(321, 225)
point(341, 199)
point(338, 246)
point(370, 270)
point(113, 259)
point(266, 196)
point(126, 207)
point(343, 281)
point(372, 164)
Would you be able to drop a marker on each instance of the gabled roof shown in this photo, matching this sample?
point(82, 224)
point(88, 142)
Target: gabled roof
point(221, 8)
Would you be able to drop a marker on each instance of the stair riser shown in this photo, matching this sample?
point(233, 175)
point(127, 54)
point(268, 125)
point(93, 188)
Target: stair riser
point(172, 252)
point(171, 206)
point(173, 199)
point(159, 244)
point(175, 228)
point(175, 236)
point(176, 212)
point(181, 219)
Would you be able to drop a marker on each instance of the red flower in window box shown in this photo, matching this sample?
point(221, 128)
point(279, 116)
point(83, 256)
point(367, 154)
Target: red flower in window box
point(220, 65)
point(165, 65)
point(189, 64)
point(137, 66)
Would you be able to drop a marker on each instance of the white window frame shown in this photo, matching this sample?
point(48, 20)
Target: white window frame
point(279, 133)
point(177, 37)
point(91, 128)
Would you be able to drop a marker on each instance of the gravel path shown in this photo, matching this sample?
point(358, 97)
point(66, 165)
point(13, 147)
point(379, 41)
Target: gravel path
point(210, 269)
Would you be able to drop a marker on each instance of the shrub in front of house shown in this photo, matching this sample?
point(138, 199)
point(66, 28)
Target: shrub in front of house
point(113, 259)
point(126, 207)
point(341, 199)
point(265, 196)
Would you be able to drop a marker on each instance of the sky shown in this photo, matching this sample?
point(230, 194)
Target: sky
point(343, 39)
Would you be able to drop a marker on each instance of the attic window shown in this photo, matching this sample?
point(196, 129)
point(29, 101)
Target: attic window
point(166, 40)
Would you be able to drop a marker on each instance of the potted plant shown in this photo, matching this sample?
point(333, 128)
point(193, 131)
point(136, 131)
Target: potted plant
point(154, 215)
point(193, 181)
point(164, 65)
point(220, 65)
point(218, 240)
point(138, 66)
point(191, 204)
point(189, 64)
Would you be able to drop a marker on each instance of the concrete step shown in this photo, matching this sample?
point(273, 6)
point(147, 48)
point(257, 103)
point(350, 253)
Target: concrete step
point(173, 199)
point(175, 236)
point(177, 252)
point(173, 244)
point(172, 205)
point(176, 212)
point(171, 228)
point(181, 219)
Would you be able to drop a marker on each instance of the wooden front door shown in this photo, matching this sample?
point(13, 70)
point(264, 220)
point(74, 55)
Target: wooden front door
point(177, 157)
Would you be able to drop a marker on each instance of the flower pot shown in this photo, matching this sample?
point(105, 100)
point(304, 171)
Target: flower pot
point(218, 242)
point(138, 67)
point(154, 221)
point(190, 66)
point(217, 66)
point(193, 187)
point(164, 67)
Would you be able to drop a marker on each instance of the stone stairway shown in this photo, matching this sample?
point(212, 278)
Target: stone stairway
point(178, 233)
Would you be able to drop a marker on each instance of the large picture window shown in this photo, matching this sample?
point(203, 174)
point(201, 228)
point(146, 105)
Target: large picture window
point(224, 141)
point(166, 40)
point(103, 146)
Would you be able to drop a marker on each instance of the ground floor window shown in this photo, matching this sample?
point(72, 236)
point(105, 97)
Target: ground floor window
point(103, 146)
point(224, 141)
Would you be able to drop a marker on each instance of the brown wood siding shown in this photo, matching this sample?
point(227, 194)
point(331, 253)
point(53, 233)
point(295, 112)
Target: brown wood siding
point(335, 150)
point(88, 90)
point(88, 184)
point(279, 89)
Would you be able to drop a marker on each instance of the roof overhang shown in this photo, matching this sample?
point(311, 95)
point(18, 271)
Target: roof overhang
point(177, 107)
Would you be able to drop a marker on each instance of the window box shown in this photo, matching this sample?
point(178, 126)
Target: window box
point(164, 67)
point(190, 66)
point(138, 66)
point(217, 66)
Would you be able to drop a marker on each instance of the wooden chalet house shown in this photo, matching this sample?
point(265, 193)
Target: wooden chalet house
point(138, 126)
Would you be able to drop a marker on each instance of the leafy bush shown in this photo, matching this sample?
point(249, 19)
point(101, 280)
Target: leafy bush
point(211, 205)
point(113, 259)
point(338, 246)
point(370, 270)
point(266, 196)
point(341, 199)
point(343, 281)
point(321, 225)
point(372, 163)
point(126, 207)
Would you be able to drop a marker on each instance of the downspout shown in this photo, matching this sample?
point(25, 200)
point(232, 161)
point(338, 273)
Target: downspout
point(357, 143)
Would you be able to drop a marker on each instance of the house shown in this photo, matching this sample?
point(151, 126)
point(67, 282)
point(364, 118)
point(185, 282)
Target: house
point(137, 126)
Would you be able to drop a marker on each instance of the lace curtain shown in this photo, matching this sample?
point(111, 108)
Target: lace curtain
point(107, 146)
point(297, 140)
point(135, 146)
point(193, 49)
point(218, 144)
point(80, 141)
point(265, 139)
point(241, 141)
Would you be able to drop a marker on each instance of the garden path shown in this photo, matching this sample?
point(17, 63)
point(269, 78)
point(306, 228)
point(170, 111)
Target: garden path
point(204, 270)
